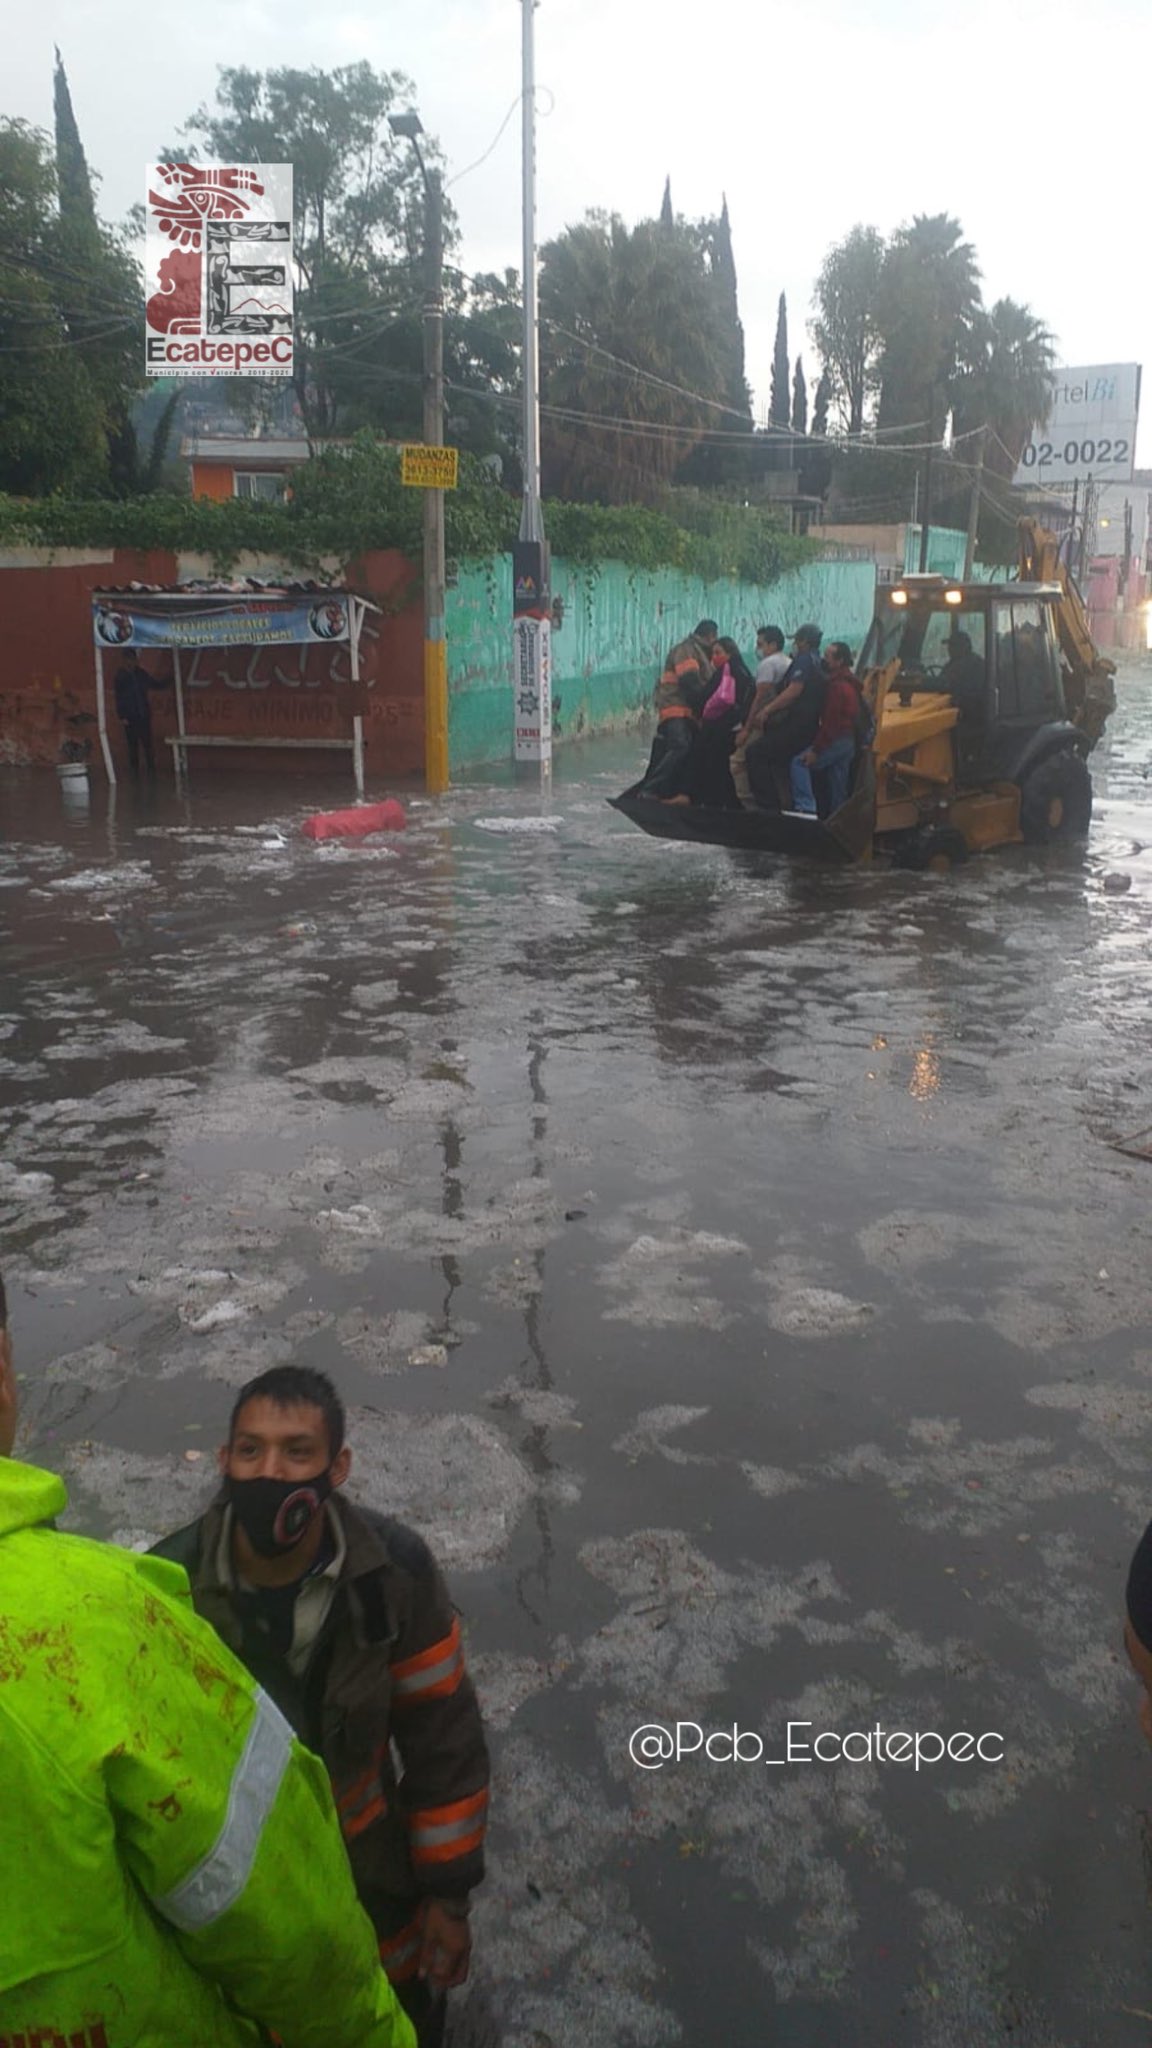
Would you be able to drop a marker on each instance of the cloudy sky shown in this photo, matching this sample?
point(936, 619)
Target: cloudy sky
point(1024, 120)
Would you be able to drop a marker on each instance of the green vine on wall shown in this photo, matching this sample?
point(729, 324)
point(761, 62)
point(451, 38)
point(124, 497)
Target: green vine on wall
point(347, 502)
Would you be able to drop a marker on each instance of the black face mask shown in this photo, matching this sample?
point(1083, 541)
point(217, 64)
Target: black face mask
point(276, 1514)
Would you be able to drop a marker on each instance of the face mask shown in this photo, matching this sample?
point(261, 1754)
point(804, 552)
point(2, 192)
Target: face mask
point(275, 1514)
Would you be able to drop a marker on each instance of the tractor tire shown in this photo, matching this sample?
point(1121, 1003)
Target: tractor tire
point(1056, 800)
point(935, 847)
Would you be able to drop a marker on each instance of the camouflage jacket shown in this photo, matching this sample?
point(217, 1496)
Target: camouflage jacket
point(687, 678)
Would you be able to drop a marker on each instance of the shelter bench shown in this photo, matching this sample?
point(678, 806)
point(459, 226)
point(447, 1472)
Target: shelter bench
point(181, 741)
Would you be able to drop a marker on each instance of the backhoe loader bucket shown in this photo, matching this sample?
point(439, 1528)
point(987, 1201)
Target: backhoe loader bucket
point(844, 837)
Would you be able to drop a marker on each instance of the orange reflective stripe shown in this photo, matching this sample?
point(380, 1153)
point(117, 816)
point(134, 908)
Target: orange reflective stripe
point(355, 1824)
point(362, 1802)
point(433, 1673)
point(438, 1833)
point(446, 1852)
point(400, 1953)
point(356, 1791)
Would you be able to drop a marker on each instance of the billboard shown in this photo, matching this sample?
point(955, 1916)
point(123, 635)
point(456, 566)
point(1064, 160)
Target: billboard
point(289, 621)
point(218, 270)
point(1090, 430)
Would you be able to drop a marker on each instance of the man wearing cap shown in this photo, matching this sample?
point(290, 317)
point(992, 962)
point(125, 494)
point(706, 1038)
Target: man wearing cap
point(788, 725)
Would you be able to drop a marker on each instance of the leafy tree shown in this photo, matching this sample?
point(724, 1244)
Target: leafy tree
point(358, 198)
point(929, 304)
point(845, 326)
point(374, 375)
point(51, 421)
point(68, 328)
point(799, 399)
point(630, 356)
point(780, 403)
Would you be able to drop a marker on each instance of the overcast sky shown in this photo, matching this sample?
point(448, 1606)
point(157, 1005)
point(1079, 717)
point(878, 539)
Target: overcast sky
point(1024, 120)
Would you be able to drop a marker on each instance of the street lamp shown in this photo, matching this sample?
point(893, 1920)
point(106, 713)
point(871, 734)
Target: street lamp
point(531, 569)
point(410, 126)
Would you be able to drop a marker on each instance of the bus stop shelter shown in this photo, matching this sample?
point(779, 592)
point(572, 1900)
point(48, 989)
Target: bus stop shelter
point(182, 618)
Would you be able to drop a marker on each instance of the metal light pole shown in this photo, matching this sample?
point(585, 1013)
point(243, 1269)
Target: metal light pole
point(435, 648)
point(531, 517)
point(531, 569)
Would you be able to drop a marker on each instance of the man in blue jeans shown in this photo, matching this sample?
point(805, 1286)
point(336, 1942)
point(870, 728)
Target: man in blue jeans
point(833, 750)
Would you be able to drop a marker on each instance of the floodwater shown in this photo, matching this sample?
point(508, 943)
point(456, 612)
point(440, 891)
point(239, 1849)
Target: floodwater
point(729, 1268)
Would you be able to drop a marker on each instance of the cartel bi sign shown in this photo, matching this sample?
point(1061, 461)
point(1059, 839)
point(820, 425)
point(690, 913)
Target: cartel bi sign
point(1090, 430)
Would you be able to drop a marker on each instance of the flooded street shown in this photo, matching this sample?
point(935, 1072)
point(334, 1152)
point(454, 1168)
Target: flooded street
point(729, 1270)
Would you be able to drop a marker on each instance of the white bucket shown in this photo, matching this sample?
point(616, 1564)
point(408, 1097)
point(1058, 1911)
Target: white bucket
point(72, 772)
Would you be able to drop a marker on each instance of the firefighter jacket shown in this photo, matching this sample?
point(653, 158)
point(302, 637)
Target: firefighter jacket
point(386, 1672)
point(175, 1877)
point(686, 680)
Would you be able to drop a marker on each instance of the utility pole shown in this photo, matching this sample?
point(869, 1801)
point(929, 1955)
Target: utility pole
point(926, 509)
point(531, 568)
point(410, 126)
point(974, 507)
point(435, 648)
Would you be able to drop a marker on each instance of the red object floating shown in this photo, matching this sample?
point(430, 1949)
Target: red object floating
point(356, 823)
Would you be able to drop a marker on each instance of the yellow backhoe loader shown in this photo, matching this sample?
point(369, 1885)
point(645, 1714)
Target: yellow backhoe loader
point(986, 698)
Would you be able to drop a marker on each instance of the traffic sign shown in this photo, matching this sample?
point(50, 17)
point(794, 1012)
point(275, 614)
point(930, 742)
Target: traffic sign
point(430, 469)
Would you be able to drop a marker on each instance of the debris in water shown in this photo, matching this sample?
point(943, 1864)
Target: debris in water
point(517, 824)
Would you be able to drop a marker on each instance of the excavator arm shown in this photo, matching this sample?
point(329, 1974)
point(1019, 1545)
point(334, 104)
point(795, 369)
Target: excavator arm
point(1089, 691)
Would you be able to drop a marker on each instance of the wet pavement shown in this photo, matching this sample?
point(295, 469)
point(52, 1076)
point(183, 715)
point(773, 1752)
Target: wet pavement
point(729, 1270)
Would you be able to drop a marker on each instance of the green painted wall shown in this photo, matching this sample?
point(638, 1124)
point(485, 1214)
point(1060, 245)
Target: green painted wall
point(618, 626)
point(946, 550)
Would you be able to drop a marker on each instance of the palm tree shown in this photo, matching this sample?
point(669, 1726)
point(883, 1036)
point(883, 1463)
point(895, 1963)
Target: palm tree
point(1005, 382)
point(929, 304)
point(631, 353)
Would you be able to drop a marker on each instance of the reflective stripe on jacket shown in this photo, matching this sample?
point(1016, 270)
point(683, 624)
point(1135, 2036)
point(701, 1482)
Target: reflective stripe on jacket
point(686, 679)
point(387, 1670)
point(176, 1874)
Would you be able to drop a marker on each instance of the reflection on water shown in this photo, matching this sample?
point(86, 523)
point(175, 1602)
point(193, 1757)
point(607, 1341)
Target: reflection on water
point(926, 1073)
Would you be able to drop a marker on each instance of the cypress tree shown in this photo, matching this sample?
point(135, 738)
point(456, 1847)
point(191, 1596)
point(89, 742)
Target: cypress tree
point(820, 405)
point(667, 217)
point(73, 180)
point(728, 312)
point(799, 399)
point(780, 404)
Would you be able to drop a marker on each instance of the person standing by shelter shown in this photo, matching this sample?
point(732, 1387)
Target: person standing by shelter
point(175, 1872)
point(132, 687)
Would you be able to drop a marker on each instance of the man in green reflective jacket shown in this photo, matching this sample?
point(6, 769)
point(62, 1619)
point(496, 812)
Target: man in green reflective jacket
point(176, 1877)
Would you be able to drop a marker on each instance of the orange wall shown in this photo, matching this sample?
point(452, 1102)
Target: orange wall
point(48, 673)
point(212, 480)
